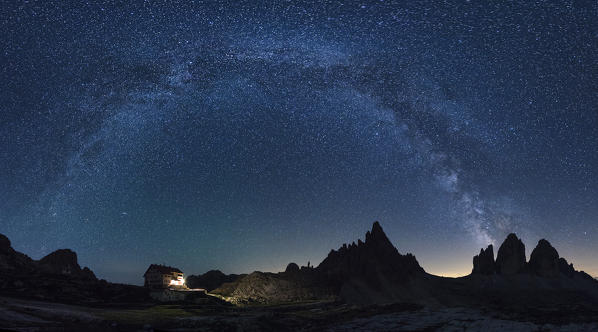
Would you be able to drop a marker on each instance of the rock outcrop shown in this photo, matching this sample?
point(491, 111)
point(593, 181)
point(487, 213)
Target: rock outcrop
point(210, 280)
point(484, 262)
point(565, 268)
point(370, 271)
point(64, 261)
point(4, 244)
point(511, 256)
point(11, 259)
point(263, 287)
point(58, 277)
point(544, 260)
point(370, 260)
point(292, 268)
point(373, 271)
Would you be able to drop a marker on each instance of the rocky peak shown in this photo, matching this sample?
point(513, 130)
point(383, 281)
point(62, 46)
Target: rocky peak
point(484, 262)
point(61, 258)
point(376, 256)
point(544, 260)
point(511, 256)
point(377, 241)
point(376, 234)
point(11, 259)
point(64, 261)
point(4, 244)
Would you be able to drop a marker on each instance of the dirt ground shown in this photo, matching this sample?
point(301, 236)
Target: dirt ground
point(27, 315)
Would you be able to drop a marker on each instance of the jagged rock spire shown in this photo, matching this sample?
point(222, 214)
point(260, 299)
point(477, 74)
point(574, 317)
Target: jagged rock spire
point(511, 256)
point(484, 262)
point(376, 255)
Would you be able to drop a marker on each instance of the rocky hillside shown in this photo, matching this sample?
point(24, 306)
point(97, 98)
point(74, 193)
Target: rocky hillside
point(57, 277)
point(373, 271)
point(370, 260)
point(211, 279)
point(11, 260)
point(370, 271)
point(271, 288)
point(367, 272)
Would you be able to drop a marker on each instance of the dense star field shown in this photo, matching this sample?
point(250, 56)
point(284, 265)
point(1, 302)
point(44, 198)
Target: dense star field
point(243, 136)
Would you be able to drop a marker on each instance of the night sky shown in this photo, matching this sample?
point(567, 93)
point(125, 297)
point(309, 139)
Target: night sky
point(242, 136)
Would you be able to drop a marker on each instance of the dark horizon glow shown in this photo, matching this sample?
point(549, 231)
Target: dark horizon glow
point(241, 137)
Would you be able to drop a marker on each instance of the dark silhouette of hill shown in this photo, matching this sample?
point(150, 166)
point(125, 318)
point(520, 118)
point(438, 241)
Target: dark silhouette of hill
point(367, 272)
point(370, 271)
point(372, 267)
point(370, 260)
point(544, 261)
point(211, 279)
point(58, 277)
point(373, 271)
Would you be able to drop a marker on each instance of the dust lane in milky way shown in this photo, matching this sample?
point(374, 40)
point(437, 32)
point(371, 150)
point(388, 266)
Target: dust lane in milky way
point(240, 136)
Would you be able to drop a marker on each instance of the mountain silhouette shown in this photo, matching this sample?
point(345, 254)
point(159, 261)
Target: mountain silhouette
point(510, 258)
point(367, 272)
point(57, 277)
point(371, 260)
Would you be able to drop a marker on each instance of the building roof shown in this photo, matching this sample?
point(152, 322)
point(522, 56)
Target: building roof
point(163, 269)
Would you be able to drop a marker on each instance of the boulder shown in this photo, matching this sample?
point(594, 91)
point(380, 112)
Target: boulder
point(292, 268)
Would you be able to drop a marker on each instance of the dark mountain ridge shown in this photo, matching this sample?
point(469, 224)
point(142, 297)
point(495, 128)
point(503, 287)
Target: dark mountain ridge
point(373, 271)
point(544, 261)
point(57, 277)
point(370, 259)
point(367, 272)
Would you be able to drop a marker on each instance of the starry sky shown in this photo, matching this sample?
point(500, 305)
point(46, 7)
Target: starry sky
point(243, 135)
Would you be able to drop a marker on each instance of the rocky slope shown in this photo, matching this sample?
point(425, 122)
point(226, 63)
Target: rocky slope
point(370, 260)
point(370, 271)
point(272, 288)
point(57, 277)
point(366, 272)
point(211, 279)
point(373, 271)
point(11, 259)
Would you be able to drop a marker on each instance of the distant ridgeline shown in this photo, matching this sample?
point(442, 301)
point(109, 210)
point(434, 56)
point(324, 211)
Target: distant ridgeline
point(373, 271)
point(58, 277)
point(366, 272)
